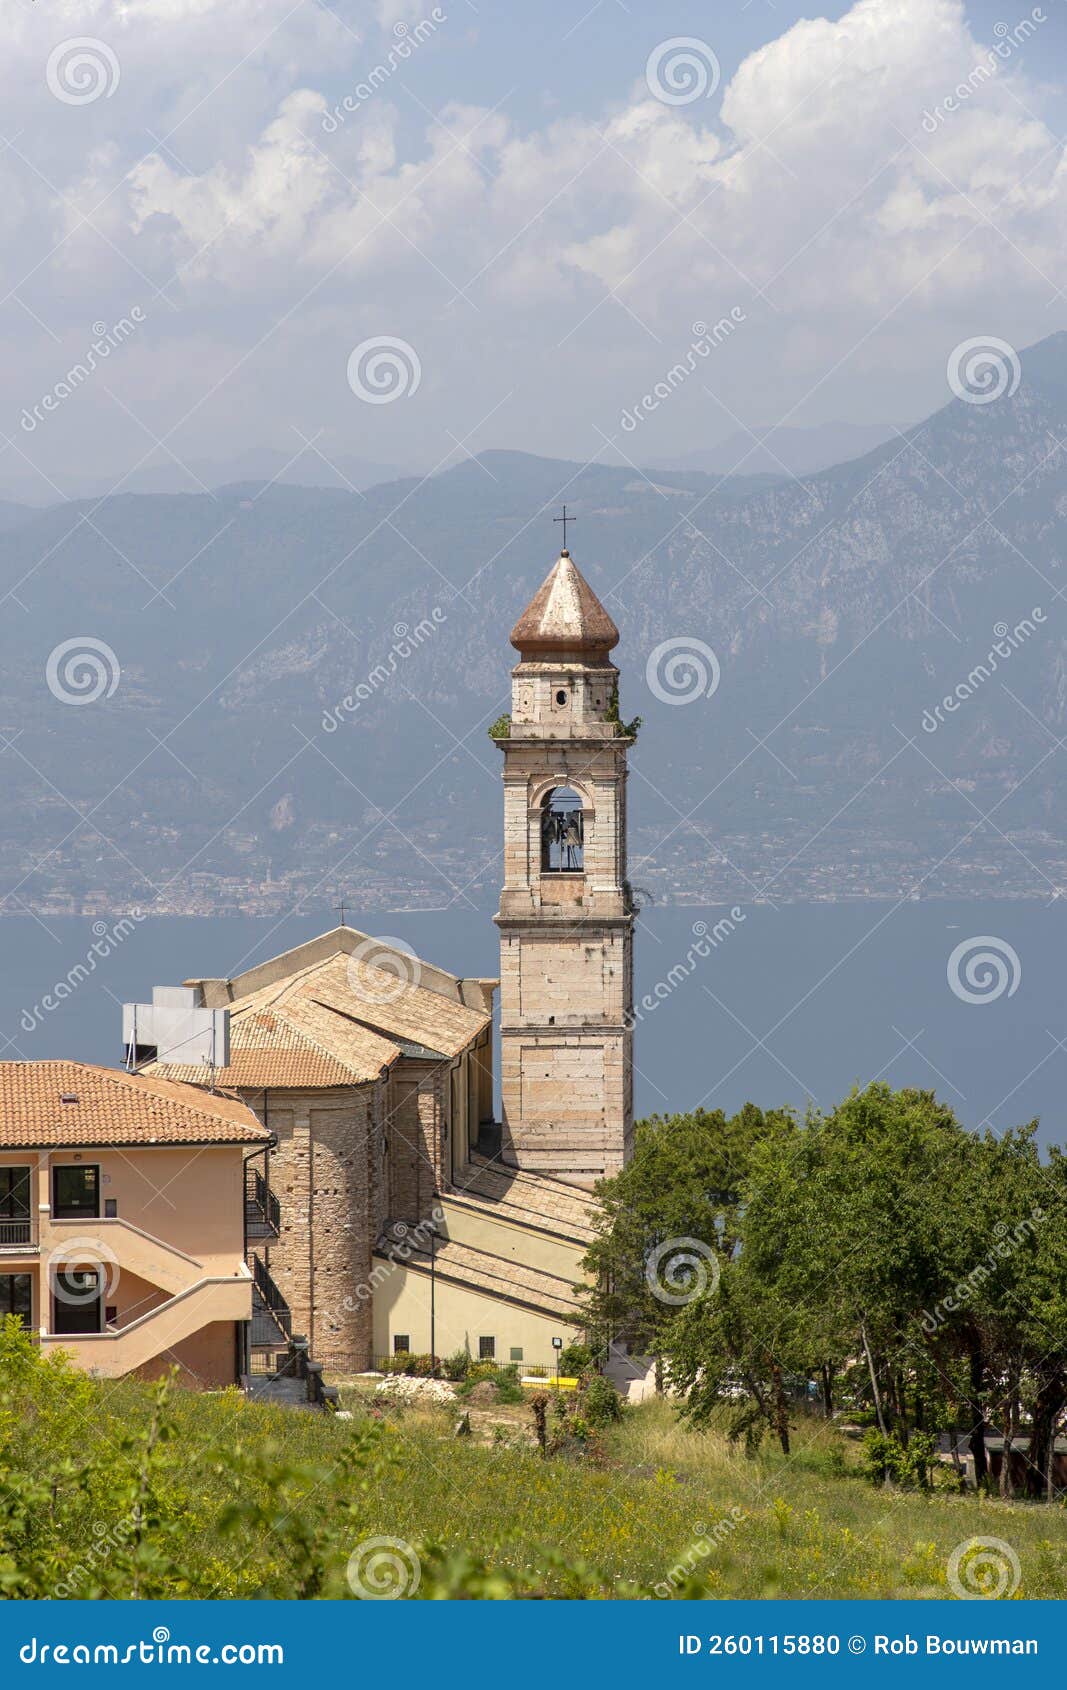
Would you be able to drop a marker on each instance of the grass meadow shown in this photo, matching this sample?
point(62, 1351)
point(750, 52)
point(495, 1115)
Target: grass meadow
point(235, 1499)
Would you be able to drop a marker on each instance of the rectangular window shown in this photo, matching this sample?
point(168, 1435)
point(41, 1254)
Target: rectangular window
point(401, 1344)
point(486, 1349)
point(14, 1206)
point(76, 1192)
point(16, 1296)
point(516, 1355)
point(14, 1193)
point(76, 1301)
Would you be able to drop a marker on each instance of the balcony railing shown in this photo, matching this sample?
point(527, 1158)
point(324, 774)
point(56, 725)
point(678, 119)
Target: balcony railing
point(263, 1215)
point(16, 1234)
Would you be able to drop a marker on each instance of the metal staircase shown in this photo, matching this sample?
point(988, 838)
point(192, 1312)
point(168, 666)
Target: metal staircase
point(272, 1323)
point(262, 1209)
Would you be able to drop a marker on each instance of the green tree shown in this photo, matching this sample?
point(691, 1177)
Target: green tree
point(684, 1181)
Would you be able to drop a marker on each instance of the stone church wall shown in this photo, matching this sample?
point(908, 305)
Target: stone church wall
point(324, 1175)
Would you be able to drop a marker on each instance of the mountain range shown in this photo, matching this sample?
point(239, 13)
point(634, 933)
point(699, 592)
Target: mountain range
point(221, 769)
point(785, 451)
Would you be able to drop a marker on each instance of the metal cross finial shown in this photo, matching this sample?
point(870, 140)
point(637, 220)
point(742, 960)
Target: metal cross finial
point(342, 906)
point(564, 519)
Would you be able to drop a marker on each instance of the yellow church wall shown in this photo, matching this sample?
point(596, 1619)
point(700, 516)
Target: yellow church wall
point(463, 1318)
point(515, 1243)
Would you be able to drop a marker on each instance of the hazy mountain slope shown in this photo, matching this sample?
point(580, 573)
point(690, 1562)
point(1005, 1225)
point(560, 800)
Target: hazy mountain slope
point(781, 451)
point(841, 607)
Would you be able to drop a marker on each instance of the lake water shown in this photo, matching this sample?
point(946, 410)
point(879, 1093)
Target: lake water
point(787, 1004)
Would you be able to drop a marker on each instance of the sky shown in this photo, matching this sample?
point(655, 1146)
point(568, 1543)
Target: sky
point(407, 233)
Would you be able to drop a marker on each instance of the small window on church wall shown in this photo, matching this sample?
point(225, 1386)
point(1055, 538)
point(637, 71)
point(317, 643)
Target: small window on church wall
point(562, 832)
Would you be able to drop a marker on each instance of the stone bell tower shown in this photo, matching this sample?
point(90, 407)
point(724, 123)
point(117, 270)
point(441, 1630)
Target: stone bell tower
point(565, 919)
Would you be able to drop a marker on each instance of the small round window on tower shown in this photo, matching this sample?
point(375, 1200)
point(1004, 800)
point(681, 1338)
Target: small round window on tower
point(561, 697)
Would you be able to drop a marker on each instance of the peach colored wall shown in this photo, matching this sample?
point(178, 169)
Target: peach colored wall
point(190, 1197)
point(205, 1362)
point(191, 1200)
point(133, 1296)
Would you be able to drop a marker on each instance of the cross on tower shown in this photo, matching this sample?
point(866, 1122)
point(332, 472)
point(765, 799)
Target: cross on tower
point(564, 519)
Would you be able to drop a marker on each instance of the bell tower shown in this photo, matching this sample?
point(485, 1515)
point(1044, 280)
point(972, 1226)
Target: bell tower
point(565, 918)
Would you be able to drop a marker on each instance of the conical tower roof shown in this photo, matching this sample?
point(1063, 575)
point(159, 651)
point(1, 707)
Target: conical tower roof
point(564, 617)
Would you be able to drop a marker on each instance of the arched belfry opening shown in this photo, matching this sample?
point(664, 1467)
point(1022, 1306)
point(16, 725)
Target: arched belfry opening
point(562, 832)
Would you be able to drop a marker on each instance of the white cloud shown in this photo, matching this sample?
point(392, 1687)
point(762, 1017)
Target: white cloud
point(822, 200)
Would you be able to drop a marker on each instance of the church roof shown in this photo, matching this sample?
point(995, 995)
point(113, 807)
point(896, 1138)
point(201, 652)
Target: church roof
point(473, 1269)
point(338, 1011)
point(565, 617)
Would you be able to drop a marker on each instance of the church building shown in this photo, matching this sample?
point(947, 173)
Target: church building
point(390, 1210)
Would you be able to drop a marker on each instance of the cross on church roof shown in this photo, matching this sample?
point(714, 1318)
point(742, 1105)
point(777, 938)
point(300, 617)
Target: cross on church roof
point(564, 519)
point(342, 906)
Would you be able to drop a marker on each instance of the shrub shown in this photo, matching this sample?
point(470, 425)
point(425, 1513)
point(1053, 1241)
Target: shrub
point(405, 1361)
point(457, 1366)
point(600, 1403)
point(885, 1458)
point(575, 1360)
point(503, 1380)
point(479, 1370)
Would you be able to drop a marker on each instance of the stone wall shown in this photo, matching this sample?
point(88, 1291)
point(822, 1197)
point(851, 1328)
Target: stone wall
point(326, 1175)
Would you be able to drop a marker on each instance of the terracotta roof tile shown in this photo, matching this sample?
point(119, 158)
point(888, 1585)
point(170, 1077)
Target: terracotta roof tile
point(112, 1107)
point(296, 1044)
point(478, 1270)
point(531, 1199)
point(397, 1008)
point(338, 1021)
